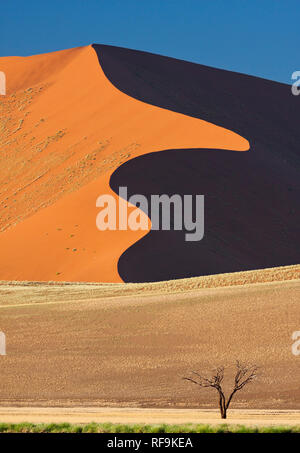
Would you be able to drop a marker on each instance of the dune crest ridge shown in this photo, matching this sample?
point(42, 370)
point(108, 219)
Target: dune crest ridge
point(65, 128)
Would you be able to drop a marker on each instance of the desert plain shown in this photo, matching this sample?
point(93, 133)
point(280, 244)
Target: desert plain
point(118, 352)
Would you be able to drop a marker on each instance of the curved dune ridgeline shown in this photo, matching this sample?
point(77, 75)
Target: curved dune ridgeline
point(252, 211)
point(65, 129)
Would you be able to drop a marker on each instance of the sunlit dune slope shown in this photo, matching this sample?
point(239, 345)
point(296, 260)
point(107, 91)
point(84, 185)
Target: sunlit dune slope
point(64, 129)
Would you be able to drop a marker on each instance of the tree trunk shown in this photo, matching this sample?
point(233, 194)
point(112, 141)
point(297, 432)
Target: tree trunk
point(223, 410)
point(222, 404)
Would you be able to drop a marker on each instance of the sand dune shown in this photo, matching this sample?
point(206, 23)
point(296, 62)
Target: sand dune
point(82, 122)
point(251, 199)
point(64, 129)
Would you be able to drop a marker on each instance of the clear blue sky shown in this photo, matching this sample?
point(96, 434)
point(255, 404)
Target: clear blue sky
point(258, 37)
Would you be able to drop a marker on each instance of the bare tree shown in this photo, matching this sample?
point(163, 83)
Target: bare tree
point(244, 375)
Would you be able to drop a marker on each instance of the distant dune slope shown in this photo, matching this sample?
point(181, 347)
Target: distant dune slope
point(65, 128)
point(18, 292)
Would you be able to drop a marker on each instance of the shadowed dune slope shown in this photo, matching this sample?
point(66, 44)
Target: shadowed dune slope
point(65, 128)
point(252, 211)
point(251, 214)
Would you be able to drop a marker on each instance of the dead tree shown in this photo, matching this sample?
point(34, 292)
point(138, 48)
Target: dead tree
point(244, 375)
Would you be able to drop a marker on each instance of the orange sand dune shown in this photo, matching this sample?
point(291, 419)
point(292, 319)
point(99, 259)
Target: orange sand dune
point(64, 129)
